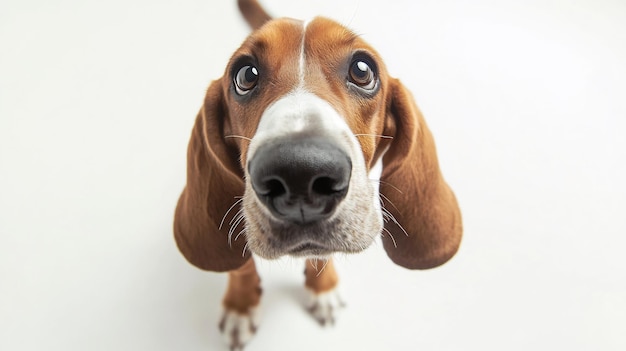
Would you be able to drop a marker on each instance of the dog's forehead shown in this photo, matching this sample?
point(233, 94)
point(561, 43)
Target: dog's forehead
point(281, 37)
point(325, 36)
point(279, 42)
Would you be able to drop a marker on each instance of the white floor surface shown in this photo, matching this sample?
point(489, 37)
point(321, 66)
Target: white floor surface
point(527, 102)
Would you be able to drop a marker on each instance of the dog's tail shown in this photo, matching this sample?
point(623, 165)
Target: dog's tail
point(253, 12)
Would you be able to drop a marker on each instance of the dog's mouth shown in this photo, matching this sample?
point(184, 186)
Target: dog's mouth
point(309, 249)
point(271, 240)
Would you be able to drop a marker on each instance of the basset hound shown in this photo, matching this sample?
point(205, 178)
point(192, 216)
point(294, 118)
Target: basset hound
point(307, 147)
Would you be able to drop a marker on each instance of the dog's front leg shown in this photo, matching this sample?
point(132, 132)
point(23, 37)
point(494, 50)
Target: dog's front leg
point(321, 282)
point(241, 300)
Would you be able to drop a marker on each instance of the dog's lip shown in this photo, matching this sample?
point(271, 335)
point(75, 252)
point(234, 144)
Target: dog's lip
point(308, 247)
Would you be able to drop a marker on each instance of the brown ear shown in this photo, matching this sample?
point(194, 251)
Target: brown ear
point(423, 223)
point(214, 181)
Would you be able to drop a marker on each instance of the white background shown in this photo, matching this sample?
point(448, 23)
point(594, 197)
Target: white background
point(527, 102)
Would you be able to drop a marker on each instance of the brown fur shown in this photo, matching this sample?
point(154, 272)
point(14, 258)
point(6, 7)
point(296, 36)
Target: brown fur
point(214, 180)
point(329, 46)
point(244, 288)
point(425, 230)
point(320, 276)
point(414, 190)
point(254, 14)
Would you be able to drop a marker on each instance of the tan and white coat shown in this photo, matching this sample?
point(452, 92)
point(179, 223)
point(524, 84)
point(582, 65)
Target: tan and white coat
point(396, 188)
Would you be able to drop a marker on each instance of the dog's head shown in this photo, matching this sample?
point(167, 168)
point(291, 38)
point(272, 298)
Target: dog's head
point(322, 151)
point(311, 101)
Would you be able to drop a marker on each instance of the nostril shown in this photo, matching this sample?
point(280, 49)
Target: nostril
point(273, 188)
point(324, 186)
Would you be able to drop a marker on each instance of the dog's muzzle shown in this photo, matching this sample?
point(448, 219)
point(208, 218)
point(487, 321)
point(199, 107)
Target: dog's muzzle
point(302, 179)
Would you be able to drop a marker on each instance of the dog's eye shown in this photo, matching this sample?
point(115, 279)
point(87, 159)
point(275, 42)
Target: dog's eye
point(246, 79)
point(362, 75)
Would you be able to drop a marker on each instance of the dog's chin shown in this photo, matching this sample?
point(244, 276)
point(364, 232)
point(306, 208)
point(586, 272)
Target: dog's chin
point(305, 249)
point(315, 241)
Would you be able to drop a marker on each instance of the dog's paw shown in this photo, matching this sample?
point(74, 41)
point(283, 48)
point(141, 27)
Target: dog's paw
point(323, 306)
point(238, 328)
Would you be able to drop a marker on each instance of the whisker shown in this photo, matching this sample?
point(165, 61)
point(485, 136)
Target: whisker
point(386, 212)
point(391, 185)
point(239, 213)
point(395, 245)
point(245, 247)
point(387, 199)
point(313, 262)
point(237, 136)
point(241, 232)
point(375, 135)
point(231, 231)
point(394, 220)
point(227, 212)
point(321, 270)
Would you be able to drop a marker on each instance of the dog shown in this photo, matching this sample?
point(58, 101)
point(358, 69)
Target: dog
point(307, 147)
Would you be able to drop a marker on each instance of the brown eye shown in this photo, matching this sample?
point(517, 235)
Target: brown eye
point(362, 75)
point(246, 79)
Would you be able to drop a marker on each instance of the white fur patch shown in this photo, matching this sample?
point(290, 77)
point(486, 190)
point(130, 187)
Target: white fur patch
point(302, 61)
point(323, 307)
point(238, 329)
point(302, 111)
point(374, 176)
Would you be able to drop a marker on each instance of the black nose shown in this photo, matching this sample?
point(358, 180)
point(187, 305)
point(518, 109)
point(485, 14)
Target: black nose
point(300, 180)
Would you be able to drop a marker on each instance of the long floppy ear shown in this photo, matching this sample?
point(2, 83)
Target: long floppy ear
point(423, 219)
point(214, 181)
